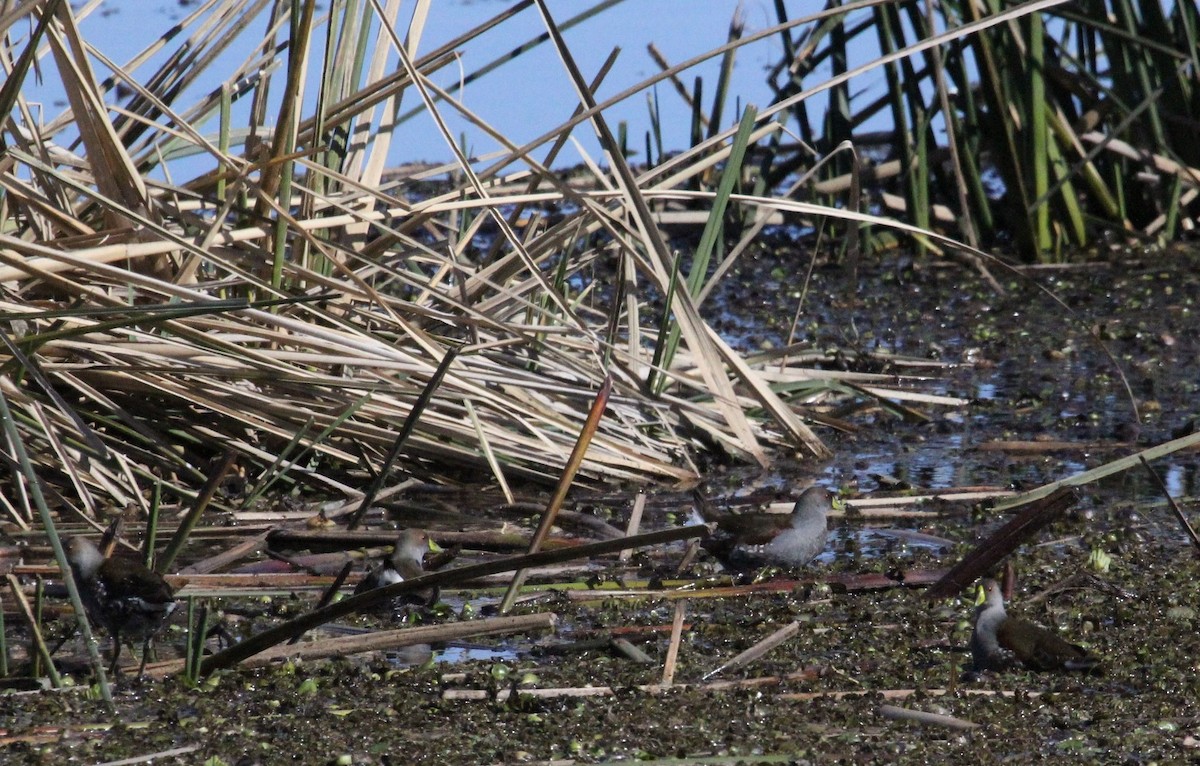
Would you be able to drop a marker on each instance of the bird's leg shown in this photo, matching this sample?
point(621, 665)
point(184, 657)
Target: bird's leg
point(116, 640)
point(223, 636)
point(145, 654)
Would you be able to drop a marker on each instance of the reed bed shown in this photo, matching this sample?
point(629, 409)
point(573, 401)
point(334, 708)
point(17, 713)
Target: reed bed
point(292, 301)
point(1042, 127)
point(290, 304)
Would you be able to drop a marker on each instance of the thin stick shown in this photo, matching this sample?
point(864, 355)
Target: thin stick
point(406, 430)
point(630, 651)
point(3, 645)
point(188, 523)
point(673, 647)
point(564, 484)
point(39, 641)
point(841, 582)
point(895, 694)
point(1174, 506)
point(920, 716)
point(197, 632)
point(239, 551)
point(150, 539)
point(718, 686)
point(635, 521)
point(151, 757)
point(329, 593)
point(389, 639)
point(34, 488)
point(758, 650)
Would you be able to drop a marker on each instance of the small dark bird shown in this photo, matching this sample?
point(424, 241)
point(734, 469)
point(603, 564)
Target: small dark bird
point(120, 594)
point(748, 541)
point(998, 640)
point(405, 563)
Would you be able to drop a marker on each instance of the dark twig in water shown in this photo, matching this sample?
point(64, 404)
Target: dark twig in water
point(1174, 506)
point(330, 592)
point(1002, 542)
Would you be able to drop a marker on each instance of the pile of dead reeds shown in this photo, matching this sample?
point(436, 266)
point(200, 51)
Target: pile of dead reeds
point(292, 302)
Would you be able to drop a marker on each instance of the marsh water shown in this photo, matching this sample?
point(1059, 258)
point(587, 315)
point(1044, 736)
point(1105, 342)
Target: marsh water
point(1043, 401)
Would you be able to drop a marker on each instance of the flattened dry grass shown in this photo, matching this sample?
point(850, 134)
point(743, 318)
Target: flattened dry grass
point(290, 300)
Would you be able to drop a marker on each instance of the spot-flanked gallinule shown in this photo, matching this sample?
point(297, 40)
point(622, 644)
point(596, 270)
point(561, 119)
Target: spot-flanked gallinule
point(751, 540)
point(121, 594)
point(405, 563)
point(999, 641)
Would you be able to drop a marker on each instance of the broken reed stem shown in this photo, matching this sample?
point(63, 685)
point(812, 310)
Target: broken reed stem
point(756, 651)
point(383, 640)
point(564, 484)
point(35, 632)
point(668, 677)
point(150, 540)
point(839, 582)
point(327, 597)
point(630, 651)
point(410, 423)
point(33, 487)
point(1002, 542)
point(189, 521)
point(394, 639)
point(720, 686)
point(635, 521)
point(3, 645)
point(239, 551)
point(920, 716)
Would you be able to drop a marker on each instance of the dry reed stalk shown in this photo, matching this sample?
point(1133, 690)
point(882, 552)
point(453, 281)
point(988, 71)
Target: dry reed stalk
point(756, 651)
point(807, 674)
point(303, 393)
point(920, 716)
point(668, 676)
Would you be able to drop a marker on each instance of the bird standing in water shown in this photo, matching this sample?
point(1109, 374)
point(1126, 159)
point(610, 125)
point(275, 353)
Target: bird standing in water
point(121, 594)
point(405, 563)
point(998, 640)
point(752, 540)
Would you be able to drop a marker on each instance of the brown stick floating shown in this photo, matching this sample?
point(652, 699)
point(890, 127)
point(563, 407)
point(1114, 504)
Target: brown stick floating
point(564, 484)
point(668, 676)
point(989, 552)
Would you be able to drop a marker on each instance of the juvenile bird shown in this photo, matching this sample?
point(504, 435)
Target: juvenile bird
point(752, 540)
point(998, 640)
point(120, 594)
point(405, 563)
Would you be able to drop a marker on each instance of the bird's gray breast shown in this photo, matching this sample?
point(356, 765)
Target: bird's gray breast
point(798, 545)
point(986, 651)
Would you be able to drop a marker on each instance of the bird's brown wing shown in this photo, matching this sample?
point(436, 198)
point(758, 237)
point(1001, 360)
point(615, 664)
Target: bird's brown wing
point(1041, 649)
point(1053, 653)
point(752, 528)
point(128, 579)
